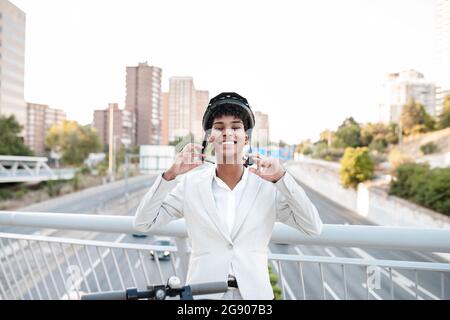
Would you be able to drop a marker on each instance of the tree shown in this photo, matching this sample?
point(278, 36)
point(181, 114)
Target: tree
point(10, 141)
point(304, 147)
point(74, 141)
point(282, 144)
point(377, 136)
point(356, 167)
point(328, 136)
point(444, 117)
point(348, 134)
point(392, 137)
point(414, 118)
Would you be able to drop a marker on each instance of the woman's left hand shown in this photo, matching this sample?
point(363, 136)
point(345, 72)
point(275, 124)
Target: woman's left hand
point(269, 169)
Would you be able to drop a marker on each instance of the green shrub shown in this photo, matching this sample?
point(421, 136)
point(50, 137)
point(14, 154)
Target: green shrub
point(307, 151)
point(322, 151)
point(274, 282)
point(76, 182)
point(13, 193)
point(53, 188)
point(85, 169)
point(429, 148)
point(356, 166)
point(19, 194)
point(424, 186)
point(379, 145)
point(102, 168)
point(6, 194)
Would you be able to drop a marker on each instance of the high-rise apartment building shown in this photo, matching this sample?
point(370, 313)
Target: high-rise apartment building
point(39, 119)
point(399, 88)
point(260, 134)
point(143, 99)
point(123, 128)
point(182, 109)
point(443, 51)
point(12, 62)
point(202, 100)
point(186, 108)
point(165, 119)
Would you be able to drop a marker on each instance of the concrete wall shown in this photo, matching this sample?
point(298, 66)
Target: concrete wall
point(324, 180)
point(370, 200)
point(440, 160)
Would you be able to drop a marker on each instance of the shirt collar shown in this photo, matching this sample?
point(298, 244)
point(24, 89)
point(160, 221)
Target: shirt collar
point(224, 185)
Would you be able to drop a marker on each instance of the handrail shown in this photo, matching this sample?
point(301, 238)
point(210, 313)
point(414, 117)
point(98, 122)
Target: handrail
point(382, 237)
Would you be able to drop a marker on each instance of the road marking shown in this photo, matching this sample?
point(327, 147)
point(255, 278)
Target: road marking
point(95, 264)
point(333, 294)
point(285, 283)
point(137, 264)
point(327, 287)
point(371, 292)
point(401, 280)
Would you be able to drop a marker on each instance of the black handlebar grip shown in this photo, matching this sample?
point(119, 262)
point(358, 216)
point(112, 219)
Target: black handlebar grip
point(110, 295)
point(208, 288)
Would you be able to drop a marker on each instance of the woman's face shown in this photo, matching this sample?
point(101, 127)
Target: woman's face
point(228, 138)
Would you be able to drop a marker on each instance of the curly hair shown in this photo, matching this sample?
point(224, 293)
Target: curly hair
point(229, 109)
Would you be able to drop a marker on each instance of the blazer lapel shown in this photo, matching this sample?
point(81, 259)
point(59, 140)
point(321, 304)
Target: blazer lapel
point(205, 189)
point(246, 202)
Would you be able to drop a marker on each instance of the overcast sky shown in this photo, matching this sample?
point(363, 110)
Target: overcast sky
point(308, 64)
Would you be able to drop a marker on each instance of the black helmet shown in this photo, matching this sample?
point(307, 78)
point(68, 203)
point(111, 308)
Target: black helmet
point(227, 98)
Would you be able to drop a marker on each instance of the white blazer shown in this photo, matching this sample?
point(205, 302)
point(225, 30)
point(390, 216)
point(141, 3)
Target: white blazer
point(190, 196)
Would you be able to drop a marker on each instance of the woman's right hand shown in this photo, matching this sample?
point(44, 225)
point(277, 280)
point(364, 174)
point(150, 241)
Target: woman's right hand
point(189, 158)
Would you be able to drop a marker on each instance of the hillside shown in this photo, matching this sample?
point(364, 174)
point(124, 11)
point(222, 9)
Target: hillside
point(411, 145)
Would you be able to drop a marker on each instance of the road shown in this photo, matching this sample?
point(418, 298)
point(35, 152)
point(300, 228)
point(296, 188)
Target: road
point(404, 287)
point(106, 199)
point(109, 199)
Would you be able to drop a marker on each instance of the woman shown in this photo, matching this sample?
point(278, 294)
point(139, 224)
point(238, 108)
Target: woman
point(229, 208)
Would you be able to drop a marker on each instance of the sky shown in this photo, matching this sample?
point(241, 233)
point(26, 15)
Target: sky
point(309, 64)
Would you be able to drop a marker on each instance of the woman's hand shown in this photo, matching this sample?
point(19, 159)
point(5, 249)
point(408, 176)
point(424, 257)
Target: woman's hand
point(269, 169)
point(188, 159)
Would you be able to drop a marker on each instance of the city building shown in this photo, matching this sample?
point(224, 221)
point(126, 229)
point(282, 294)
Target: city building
point(442, 52)
point(143, 99)
point(186, 108)
point(260, 134)
point(399, 88)
point(165, 119)
point(182, 108)
point(39, 119)
point(123, 128)
point(202, 101)
point(12, 62)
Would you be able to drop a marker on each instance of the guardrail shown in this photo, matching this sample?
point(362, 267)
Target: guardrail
point(34, 254)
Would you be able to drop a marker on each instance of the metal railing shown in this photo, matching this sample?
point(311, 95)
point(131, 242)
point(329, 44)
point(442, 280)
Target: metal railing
point(23, 169)
point(37, 267)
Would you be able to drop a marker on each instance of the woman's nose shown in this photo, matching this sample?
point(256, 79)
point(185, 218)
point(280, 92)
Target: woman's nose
point(228, 132)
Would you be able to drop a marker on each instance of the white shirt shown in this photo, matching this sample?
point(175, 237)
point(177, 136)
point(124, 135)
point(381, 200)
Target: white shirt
point(227, 200)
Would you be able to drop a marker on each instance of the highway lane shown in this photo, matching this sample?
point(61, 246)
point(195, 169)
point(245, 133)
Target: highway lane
point(330, 212)
point(87, 201)
point(404, 288)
